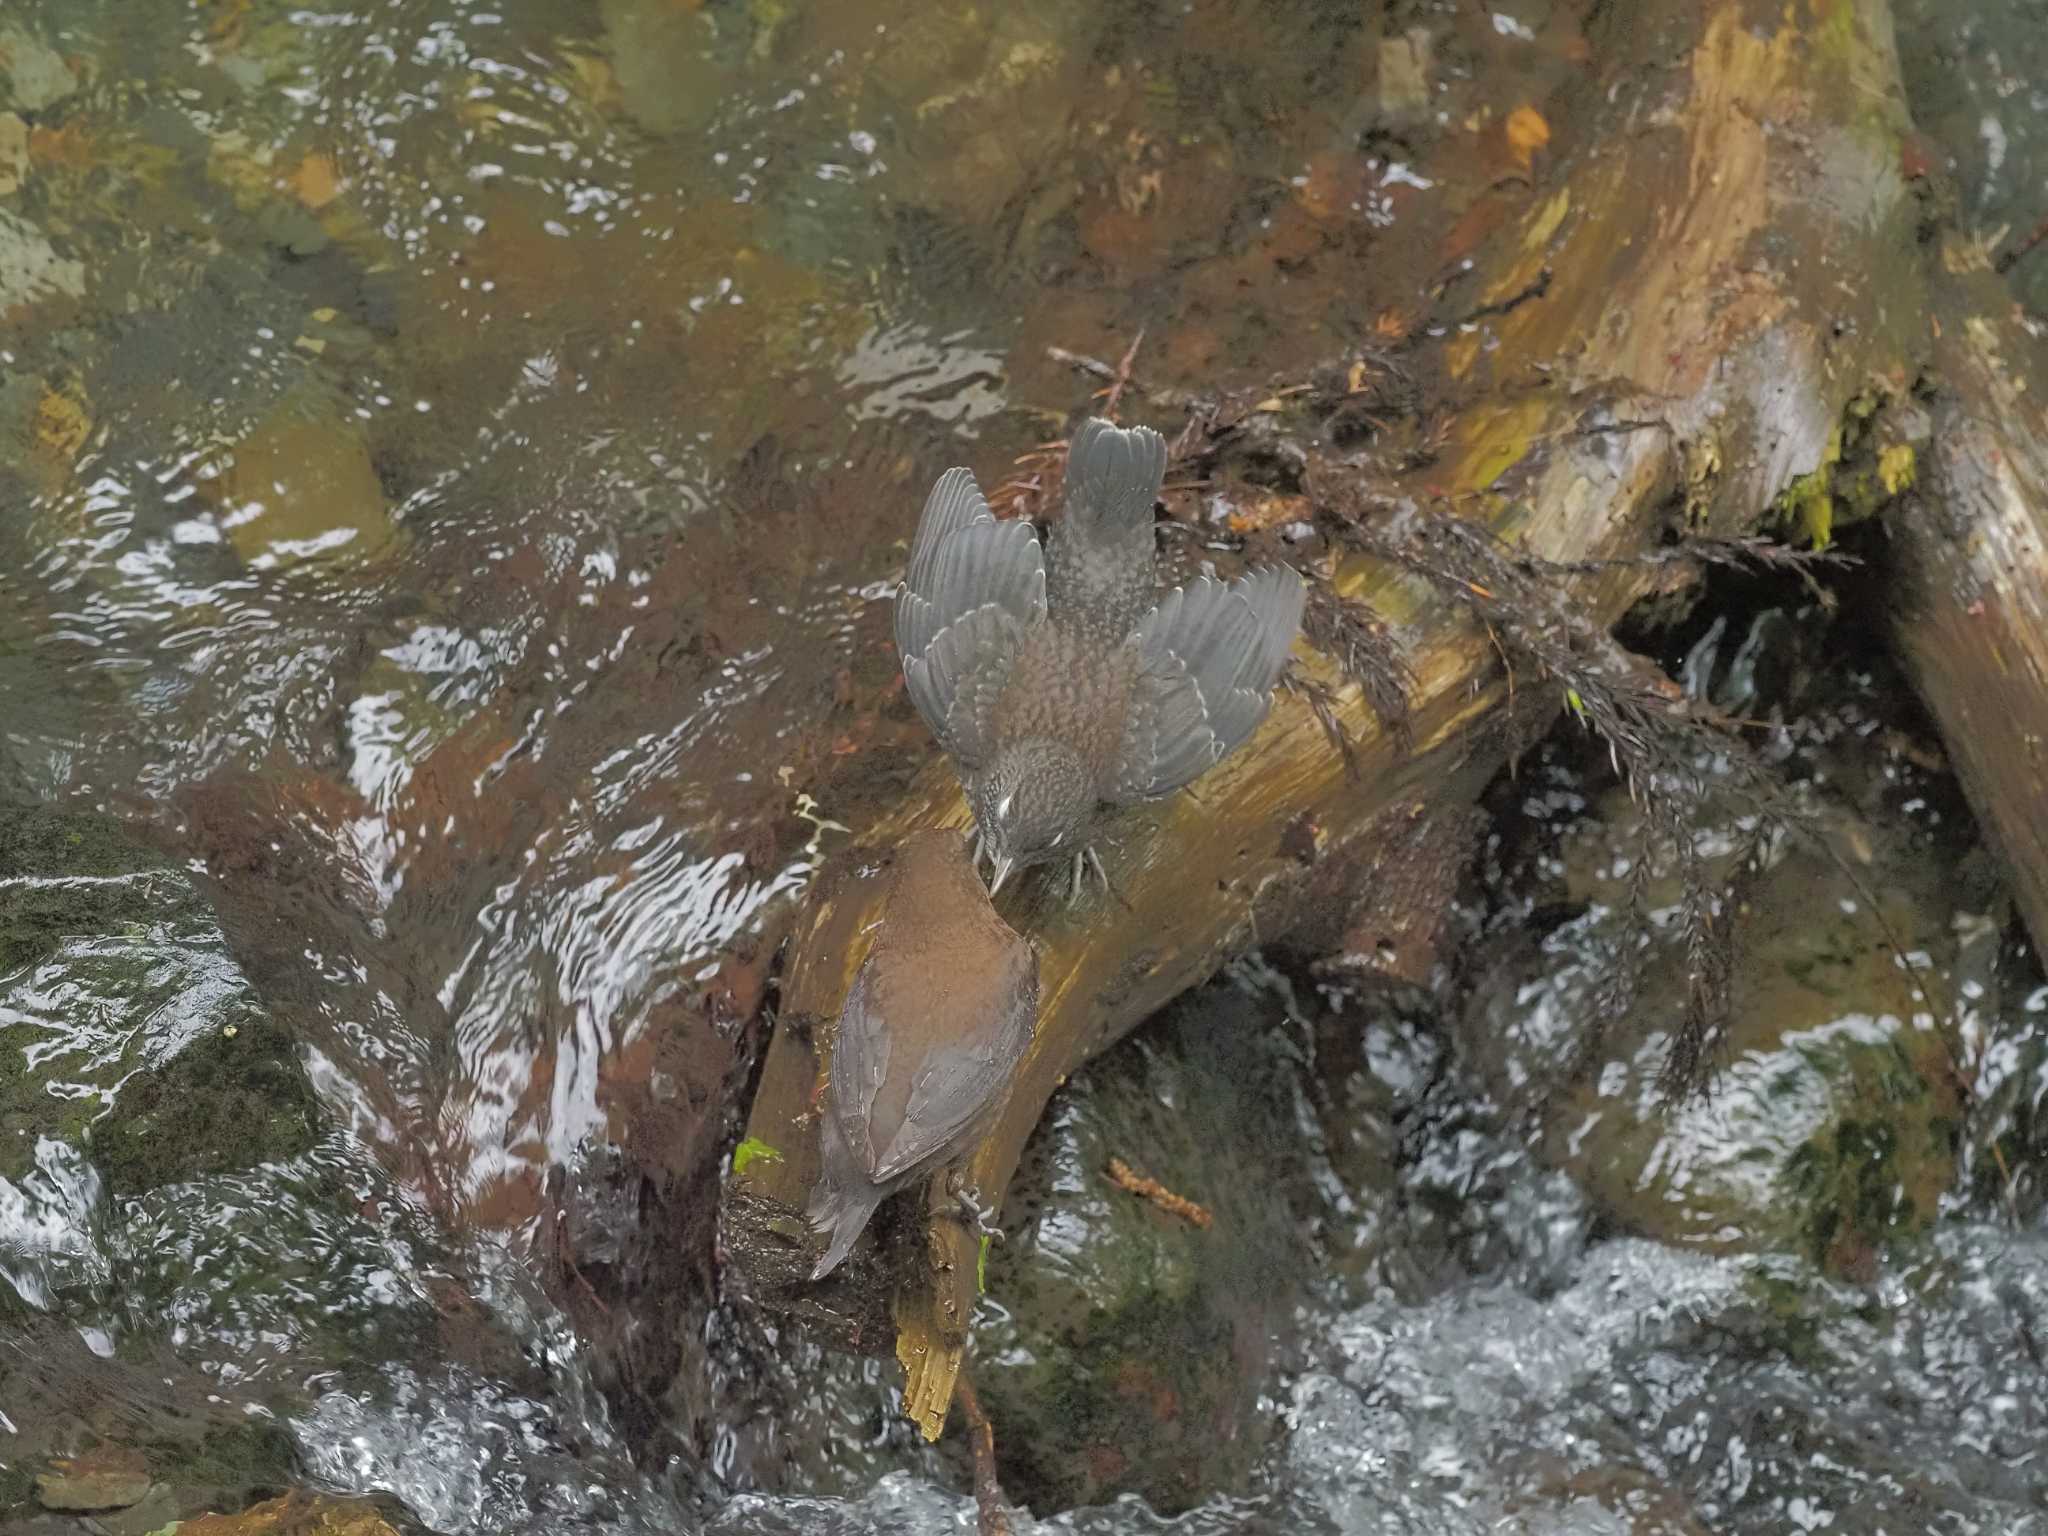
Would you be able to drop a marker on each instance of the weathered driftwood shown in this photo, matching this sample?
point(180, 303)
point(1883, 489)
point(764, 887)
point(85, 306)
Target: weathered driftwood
point(1971, 567)
point(1668, 338)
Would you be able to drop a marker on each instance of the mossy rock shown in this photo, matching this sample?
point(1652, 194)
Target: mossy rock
point(244, 1463)
point(1131, 1347)
point(1832, 1126)
point(318, 1264)
point(17, 1476)
point(71, 874)
point(1146, 1396)
point(132, 1032)
point(233, 1098)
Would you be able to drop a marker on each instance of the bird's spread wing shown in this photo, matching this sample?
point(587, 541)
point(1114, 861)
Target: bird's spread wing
point(1208, 657)
point(955, 683)
point(974, 584)
point(961, 1082)
point(961, 559)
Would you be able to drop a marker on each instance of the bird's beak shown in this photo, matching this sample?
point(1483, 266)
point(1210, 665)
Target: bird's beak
point(1001, 872)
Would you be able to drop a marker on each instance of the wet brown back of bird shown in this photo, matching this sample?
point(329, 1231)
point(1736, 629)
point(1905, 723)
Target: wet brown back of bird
point(951, 997)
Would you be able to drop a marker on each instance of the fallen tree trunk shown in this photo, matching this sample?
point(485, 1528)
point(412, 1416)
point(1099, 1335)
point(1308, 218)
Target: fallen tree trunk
point(1665, 342)
point(1971, 567)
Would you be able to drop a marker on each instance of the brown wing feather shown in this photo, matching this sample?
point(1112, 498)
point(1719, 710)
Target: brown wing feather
point(956, 1086)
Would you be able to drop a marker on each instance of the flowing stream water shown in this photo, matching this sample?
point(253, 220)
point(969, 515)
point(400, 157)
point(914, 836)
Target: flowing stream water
point(455, 456)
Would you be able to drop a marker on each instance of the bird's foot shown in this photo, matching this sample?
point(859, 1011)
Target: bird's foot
point(968, 1210)
point(976, 1217)
point(1085, 859)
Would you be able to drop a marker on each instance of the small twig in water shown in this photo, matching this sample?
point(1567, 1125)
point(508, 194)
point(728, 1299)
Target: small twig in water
point(2007, 260)
point(1115, 392)
point(1125, 1177)
point(991, 1510)
point(1167, 399)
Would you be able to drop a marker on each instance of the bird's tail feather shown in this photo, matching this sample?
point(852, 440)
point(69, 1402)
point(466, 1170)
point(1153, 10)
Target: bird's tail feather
point(1113, 477)
point(842, 1216)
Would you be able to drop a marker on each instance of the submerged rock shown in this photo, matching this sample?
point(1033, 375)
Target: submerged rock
point(303, 487)
point(296, 1512)
point(13, 153)
point(1128, 1346)
point(30, 268)
point(33, 75)
point(111, 1477)
point(1833, 1125)
point(1835, 1121)
point(126, 1027)
point(1407, 63)
point(662, 60)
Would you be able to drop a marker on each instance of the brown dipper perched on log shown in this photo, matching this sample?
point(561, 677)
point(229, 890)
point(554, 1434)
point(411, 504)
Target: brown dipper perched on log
point(1060, 689)
point(938, 1017)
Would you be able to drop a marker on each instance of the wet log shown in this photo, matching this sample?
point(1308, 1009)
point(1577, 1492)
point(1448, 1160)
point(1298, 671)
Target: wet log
point(1665, 340)
point(1970, 565)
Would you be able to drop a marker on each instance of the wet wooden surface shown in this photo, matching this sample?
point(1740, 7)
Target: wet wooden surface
point(1970, 567)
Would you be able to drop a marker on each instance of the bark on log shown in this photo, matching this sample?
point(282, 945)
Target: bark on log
point(1971, 567)
point(1668, 337)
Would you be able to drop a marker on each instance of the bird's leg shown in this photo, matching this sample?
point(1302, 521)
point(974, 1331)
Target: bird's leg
point(978, 1217)
point(1085, 859)
point(968, 1209)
